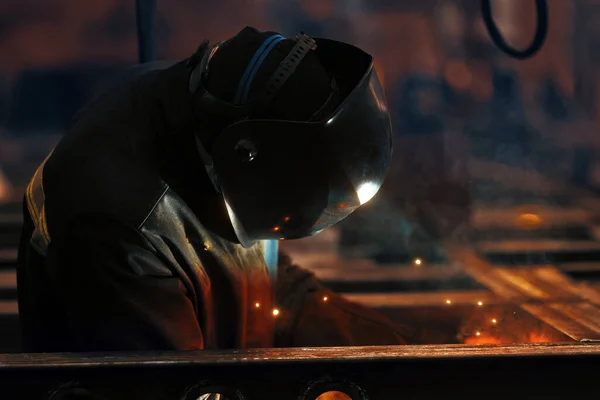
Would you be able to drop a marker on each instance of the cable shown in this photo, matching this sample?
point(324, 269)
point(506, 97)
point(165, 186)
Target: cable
point(540, 33)
point(146, 29)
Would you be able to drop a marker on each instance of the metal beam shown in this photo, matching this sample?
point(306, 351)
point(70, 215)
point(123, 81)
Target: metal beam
point(376, 373)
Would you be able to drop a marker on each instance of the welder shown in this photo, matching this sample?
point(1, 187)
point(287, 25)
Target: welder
point(143, 227)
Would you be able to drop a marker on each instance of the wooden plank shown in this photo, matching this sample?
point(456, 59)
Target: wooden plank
point(11, 219)
point(8, 256)
point(511, 217)
point(544, 371)
point(495, 194)
point(317, 261)
point(545, 246)
point(595, 231)
point(584, 313)
point(513, 177)
point(566, 233)
point(8, 280)
point(390, 273)
point(485, 274)
point(554, 276)
point(435, 299)
point(535, 183)
point(579, 267)
point(533, 289)
point(291, 355)
point(523, 285)
point(561, 322)
point(591, 293)
point(8, 308)
point(551, 281)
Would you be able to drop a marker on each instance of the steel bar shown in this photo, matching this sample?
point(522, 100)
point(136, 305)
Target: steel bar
point(376, 373)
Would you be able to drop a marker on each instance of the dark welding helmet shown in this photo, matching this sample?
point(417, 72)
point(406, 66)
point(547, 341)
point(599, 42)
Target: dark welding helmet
point(288, 179)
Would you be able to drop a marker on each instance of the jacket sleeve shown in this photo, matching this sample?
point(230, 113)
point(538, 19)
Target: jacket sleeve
point(316, 316)
point(118, 294)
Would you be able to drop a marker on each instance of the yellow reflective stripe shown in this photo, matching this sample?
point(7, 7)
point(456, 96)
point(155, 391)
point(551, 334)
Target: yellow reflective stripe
point(30, 203)
point(35, 198)
point(44, 226)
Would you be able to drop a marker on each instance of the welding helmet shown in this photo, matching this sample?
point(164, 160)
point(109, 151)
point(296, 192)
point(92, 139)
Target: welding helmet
point(283, 179)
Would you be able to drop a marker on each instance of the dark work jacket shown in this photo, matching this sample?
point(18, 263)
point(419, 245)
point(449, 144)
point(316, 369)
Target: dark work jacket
point(126, 245)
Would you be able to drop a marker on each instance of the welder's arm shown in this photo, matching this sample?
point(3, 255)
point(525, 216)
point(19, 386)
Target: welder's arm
point(119, 295)
point(312, 315)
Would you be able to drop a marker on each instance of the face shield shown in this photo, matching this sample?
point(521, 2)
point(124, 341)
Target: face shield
point(289, 180)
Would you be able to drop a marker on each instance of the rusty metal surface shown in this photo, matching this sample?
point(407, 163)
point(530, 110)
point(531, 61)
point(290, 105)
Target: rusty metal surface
point(9, 220)
point(507, 217)
point(433, 299)
point(8, 307)
point(292, 355)
point(8, 256)
point(375, 373)
point(547, 246)
point(8, 279)
point(542, 291)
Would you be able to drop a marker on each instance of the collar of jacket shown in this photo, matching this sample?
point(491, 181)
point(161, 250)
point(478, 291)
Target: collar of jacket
point(176, 155)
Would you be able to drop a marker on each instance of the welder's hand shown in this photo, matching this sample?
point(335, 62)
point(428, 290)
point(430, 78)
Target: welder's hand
point(312, 315)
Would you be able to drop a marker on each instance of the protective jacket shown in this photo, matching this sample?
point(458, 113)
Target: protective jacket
point(127, 246)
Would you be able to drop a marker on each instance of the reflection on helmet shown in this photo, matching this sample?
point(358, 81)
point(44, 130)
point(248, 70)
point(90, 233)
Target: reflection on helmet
point(366, 191)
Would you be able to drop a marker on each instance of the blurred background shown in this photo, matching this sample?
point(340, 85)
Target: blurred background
point(486, 230)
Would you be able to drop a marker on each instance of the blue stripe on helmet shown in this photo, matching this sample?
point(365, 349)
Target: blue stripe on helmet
point(257, 67)
point(252, 68)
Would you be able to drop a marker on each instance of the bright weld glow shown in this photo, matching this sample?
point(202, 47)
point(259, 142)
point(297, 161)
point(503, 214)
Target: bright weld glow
point(325, 298)
point(257, 305)
point(418, 261)
point(480, 303)
point(478, 333)
point(275, 312)
point(494, 321)
point(448, 302)
point(366, 191)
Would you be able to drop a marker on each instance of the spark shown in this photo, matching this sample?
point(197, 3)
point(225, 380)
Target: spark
point(275, 312)
point(276, 229)
point(418, 261)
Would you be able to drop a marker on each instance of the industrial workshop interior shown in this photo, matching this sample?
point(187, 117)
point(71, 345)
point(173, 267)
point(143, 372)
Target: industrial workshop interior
point(483, 243)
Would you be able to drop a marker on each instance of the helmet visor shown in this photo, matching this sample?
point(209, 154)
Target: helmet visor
point(288, 180)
